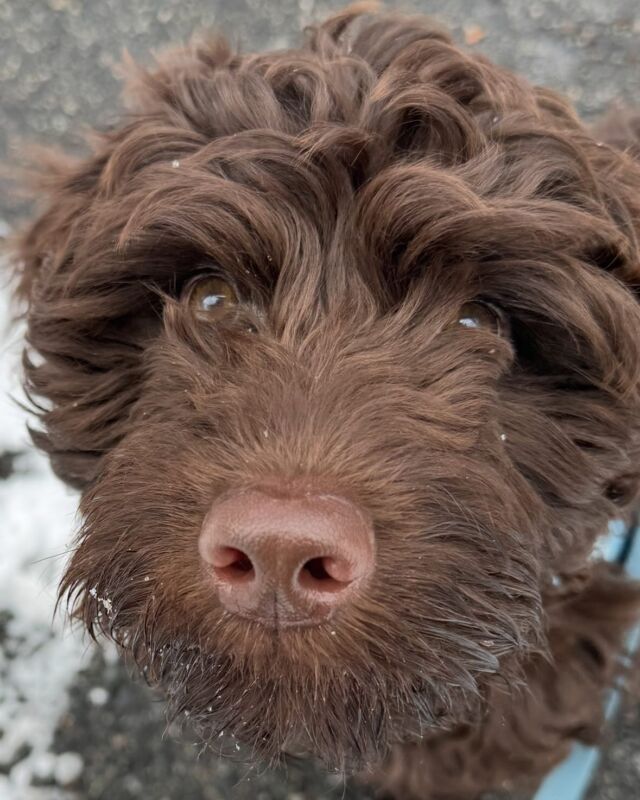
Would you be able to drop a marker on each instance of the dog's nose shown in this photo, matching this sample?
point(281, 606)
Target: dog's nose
point(286, 560)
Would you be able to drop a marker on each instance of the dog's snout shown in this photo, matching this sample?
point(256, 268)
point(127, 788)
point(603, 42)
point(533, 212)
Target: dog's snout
point(286, 560)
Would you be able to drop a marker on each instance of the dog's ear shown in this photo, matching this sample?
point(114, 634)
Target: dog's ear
point(76, 391)
point(60, 189)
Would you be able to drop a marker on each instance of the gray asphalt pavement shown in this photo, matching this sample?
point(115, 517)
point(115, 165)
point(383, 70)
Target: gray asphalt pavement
point(57, 75)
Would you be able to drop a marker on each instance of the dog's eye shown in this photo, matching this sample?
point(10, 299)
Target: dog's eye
point(211, 298)
point(481, 315)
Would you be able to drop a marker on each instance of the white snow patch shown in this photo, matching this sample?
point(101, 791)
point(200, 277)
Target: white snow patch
point(68, 768)
point(39, 655)
point(98, 696)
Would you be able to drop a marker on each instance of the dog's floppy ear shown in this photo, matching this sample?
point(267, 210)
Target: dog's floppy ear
point(61, 188)
point(79, 390)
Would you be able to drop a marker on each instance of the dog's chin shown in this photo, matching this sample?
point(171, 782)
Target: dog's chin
point(346, 726)
point(277, 729)
point(345, 744)
point(330, 744)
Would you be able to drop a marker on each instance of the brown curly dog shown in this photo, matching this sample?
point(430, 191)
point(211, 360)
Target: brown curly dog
point(341, 346)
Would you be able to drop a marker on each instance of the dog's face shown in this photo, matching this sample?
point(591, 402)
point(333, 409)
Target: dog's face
point(384, 276)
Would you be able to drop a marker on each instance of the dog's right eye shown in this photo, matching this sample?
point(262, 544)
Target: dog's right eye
point(482, 315)
point(210, 298)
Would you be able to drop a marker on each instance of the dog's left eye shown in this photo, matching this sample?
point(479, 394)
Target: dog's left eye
point(481, 315)
point(211, 298)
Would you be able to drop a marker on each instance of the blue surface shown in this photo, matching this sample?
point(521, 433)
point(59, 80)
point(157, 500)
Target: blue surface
point(570, 779)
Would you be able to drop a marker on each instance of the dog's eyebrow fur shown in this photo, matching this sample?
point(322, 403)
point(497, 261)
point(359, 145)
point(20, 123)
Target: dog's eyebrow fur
point(357, 191)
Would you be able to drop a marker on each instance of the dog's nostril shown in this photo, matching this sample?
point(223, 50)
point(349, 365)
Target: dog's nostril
point(317, 569)
point(232, 565)
point(324, 574)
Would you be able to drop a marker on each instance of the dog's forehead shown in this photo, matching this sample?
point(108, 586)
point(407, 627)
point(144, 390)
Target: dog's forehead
point(267, 208)
point(306, 162)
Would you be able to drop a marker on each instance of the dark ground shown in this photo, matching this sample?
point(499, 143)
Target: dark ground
point(57, 63)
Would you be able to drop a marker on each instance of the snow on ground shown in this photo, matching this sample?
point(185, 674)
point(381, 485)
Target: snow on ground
point(39, 655)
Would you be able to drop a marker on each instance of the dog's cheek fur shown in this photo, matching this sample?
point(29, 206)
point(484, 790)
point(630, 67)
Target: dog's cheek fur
point(357, 192)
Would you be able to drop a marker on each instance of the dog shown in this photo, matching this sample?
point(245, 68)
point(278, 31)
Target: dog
point(340, 346)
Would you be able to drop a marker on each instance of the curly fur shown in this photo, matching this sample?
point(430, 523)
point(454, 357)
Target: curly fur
point(357, 192)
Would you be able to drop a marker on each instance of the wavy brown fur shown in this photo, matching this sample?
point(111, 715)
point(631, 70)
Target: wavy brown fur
point(357, 191)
